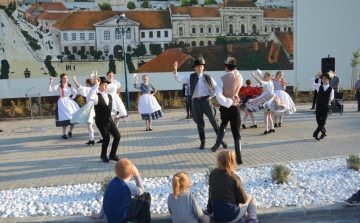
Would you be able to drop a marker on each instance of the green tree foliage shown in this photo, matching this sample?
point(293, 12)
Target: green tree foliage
point(255, 60)
point(185, 3)
point(49, 66)
point(155, 49)
point(33, 43)
point(222, 40)
point(112, 65)
point(129, 63)
point(98, 55)
point(178, 45)
point(71, 57)
point(210, 2)
point(141, 63)
point(84, 56)
point(105, 6)
point(139, 51)
point(254, 1)
point(145, 4)
point(131, 5)
point(5, 69)
point(193, 2)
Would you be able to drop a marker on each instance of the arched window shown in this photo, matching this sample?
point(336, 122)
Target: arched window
point(201, 43)
point(106, 49)
point(230, 29)
point(284, 28)
point(181, 33)
point(193, 43)
point(254, 28)
point(181, 43)
point(272, 29)
point(209, 43)
point(128, 33)
point(242, 28)
point(129, 49)
point(265, 28)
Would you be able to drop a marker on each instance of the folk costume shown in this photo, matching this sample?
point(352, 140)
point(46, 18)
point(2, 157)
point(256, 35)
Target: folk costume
point(112, 90)
point(318, 81)
point(227, 90)
point(279, 90)
point(188, 100)
point(66, 106)
point(148, 106)
point(103, 103)
point(202, 89)
point(324, 98)
point(248, 93)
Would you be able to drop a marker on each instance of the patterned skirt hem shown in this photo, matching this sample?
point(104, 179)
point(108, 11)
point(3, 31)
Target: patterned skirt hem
point(155, 115)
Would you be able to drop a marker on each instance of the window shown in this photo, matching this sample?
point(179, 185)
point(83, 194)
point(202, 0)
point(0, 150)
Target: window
point(106, 35)
point(230, 29)
point(117, 33)
point(217, 29)
point(158, 34)
point(243, 17)
point(45, 23)
point(209, 43)
point(181, 31)
point(150, 34)
point(74, 49)
point(284, 29)
point(193, 30)
point(254, 28)
point(201, 43)
point(83, 48)
point(242, 28)
point(92, 48)
point(73, 36)
point(253, 17)
point(82, 36)
point(129, 49)
point(209, 29)
point(265, 28)
point(66, 49)
point(128, 34)
point(65, 36)
point(230, 17)
point(166, 34)
point(142, 34)
point(201, 30)
point(106, 49)
point(91, 36)
point(193, 43)
point(289, 29)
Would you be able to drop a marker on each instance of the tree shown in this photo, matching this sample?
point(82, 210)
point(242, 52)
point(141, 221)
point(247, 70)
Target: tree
point(112, 65)
point(71, 57)
point(210, 2)
point(5, 69)
point(354, 63)
point(193, 2)
point(251, 61)
point(145, 4)
point(254, 1)
point(93, 53)
point(98, 55)
point(103, 58)
point(129, 63)
point(185, 3)
point(131, 5)
point(49, 66)
point(141, 63)
point(83, 57)
point(155, 49)
point(105, 6)
point(139, 51)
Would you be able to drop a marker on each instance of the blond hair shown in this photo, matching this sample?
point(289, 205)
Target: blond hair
point(279, 72)
point(123, 168)
point(180, 182)
point(226, 161)
point(269, 74)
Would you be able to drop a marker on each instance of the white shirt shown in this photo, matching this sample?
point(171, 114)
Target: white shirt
point(200, 89)
point(317, 86)
point(113, 87)
point(93, 96)
point(220, 97)
point(63, 92)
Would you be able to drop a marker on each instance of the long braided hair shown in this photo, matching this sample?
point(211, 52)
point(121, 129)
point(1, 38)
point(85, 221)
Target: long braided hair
point(61, 84)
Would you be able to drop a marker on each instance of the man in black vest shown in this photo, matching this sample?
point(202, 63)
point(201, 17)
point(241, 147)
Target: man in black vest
point(104, 122)
point(325, 96)
point(317, 81)
point(202, 89)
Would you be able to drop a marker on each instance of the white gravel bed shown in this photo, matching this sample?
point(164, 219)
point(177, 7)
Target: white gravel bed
point(313, 183)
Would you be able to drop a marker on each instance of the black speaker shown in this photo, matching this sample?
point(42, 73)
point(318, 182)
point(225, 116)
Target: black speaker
point(327, 64)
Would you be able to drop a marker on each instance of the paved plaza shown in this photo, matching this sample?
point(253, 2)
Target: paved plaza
point(32, 158)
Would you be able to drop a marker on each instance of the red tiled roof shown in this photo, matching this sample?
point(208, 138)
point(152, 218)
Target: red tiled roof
point(59, 6)
point(85, 20)
point(164, 62)
point(277, 13)
point(196, 12)
point(32, 8)
point(52, 16)
point(238, 3)
point(287, 40)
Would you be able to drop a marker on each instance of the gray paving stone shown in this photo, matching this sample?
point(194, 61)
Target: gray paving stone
point(32, 219)
point(55, 219)
point(292, 213)
point(317, 211)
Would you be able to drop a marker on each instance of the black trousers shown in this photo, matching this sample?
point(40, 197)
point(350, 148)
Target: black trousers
point(231, 115)
point(201, 106)
point(314, 99)
point(139, 209)
point(104, 129)
point(321, 113)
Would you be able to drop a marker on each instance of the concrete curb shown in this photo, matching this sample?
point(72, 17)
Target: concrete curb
point(264, 215)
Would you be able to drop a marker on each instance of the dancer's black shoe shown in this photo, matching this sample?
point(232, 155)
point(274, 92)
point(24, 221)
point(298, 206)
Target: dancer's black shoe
point(64, 137)
point(266, 132)
point(115, 158)
point(104, 159)
point(323, 135)
point(253, 126)
point(275, 125)
point(243, 126)
point(91, 142)
point(70, 134)
point(100, 141)
point(280, 124)
point(202, 145)
point(271, 130)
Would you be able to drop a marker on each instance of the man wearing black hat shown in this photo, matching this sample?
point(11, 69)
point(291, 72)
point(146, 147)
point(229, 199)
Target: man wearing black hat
point(202, 89)
point(325, 96)
point(227, 94)
point(104, 122)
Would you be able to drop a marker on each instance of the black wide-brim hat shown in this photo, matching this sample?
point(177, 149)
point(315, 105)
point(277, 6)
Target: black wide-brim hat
point(199, 61)
point(230, 61)
point(104, 80)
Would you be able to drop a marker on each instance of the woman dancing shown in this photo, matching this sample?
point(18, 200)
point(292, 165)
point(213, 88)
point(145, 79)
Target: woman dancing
point(114, 88)
point(66, 106)
point(267, 100)
point(279, 90)
point(148, 106)
point(247, 93)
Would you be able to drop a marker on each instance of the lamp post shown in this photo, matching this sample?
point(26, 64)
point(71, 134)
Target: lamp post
point(123, 28)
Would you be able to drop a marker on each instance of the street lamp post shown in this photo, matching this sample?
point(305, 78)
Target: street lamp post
point(123, 28)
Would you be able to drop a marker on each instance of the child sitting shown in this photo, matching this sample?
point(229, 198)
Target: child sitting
point(182, 204)
point(118, 204)
point(228, 200)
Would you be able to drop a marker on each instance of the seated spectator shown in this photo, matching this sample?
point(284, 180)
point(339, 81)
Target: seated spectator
point(119, 206)
point(354, 199)
point(228, 200)
point(182, 204)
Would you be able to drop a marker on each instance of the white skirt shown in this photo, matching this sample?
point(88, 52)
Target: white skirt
point(118, 105)
point(66, 108)
point(148, 104)
point(290, 109)
point(84, 115)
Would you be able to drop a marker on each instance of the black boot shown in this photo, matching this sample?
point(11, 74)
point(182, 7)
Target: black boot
point(238, 152)
point(202, 139)
point(219, 140)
